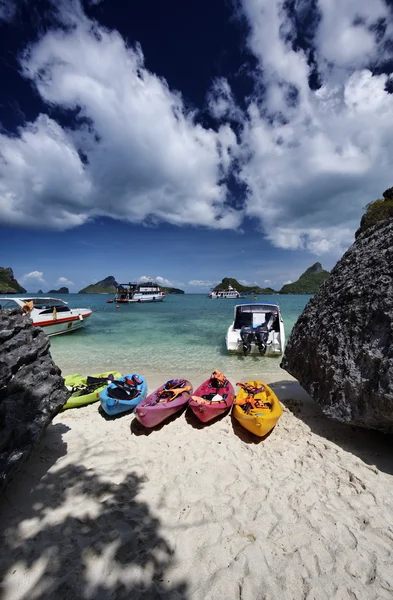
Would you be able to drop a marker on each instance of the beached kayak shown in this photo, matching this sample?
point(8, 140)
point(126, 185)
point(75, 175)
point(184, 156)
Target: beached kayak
point(124, 394)
point(212, 398)
point(257, 407)
point(84, 390)
point(163, 402)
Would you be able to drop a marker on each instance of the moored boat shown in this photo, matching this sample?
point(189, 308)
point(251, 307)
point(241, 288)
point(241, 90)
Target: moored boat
point(212, 398)
point(256, 407)
point(257, 328)
point(86, 389)
point(52, 314)
point(228, 293)
point(163, 402)
point(123, 395)
point(138, 292)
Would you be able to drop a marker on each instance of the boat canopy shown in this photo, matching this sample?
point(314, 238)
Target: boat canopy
point(245, 314)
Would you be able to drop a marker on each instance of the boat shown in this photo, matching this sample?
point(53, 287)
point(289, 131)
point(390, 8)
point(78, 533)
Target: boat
point(212, 398)
point(256, 407)
point(86, 389)
point(138, 292)
point(228, 293)
point(52, 314)
point(123, 395)
point(257, 328)
point(163, 402)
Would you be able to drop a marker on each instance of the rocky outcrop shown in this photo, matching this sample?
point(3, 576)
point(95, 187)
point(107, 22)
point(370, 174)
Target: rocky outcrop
point(62, 290)
point(8, 283)
point(32, 390)
point(341, 347)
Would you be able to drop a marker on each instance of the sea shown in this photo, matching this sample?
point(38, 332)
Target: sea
point(181, 335)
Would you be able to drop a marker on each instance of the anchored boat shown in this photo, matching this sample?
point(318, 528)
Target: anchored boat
point(257, 328)
point(52, 314)
point(229, 293)
point(139, 292)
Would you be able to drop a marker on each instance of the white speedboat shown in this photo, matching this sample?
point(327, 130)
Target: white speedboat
point(229, 293)
point(257, 328)
point(52, 314)
point(139, 292)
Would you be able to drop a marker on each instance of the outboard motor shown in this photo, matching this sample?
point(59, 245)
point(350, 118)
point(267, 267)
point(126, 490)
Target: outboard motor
point(246, 334)
point(261, 338)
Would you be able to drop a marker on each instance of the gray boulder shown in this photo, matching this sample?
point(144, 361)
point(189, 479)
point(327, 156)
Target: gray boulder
point(341, 347)
point(32, 390)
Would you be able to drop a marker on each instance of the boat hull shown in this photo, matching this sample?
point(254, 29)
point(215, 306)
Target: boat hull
point(112, 406)
point(150, 416)
point(207, 411)
point(259, 421)
point(75, 400)
point(61, 326)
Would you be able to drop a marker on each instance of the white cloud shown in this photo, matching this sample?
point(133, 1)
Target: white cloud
point(161, 281)
point(139, 154)
point(64, 282)
point(316, 158)
point(33, 278)
point(202, 284)
point(7, 10)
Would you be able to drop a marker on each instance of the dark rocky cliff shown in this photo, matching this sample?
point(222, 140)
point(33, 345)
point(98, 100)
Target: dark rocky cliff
point(32, 391)
point(8, 283)
point(341, 347)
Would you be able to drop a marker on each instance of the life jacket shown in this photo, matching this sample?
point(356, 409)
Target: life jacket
point(250, 402)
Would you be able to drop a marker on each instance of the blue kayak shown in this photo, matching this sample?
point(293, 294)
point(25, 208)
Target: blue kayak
point(123, 394)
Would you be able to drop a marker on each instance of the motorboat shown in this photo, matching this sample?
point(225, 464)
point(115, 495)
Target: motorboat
point(229, 293)
point(257, 328)
point(52, 314)
point(138, 292)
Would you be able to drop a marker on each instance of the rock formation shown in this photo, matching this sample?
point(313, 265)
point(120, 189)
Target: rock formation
point(62, 290)
point(32, 390)
point(341, 347)
point(8, 283)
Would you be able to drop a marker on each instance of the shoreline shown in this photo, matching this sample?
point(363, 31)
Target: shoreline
point(105, 509)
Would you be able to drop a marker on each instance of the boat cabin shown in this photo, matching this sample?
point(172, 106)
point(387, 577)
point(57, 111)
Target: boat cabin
point(253, 315)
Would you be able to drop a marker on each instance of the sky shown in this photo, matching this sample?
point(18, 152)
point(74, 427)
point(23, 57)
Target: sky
point(189, 141)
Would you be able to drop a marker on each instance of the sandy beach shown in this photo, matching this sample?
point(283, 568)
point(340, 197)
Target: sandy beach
point(105, 509)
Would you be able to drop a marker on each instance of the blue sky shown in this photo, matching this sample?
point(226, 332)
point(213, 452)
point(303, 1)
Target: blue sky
point(189, 141)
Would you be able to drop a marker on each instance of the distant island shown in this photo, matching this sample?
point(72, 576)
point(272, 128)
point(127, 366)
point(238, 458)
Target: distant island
point(109, 285)
point(308, 283)
point(62, 290)
point(8, 283)
point(254, 289)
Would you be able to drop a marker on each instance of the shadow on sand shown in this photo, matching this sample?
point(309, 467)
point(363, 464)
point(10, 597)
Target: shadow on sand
point(138, 429)
point(107, 548)
point(197, 424)
point(372, 447)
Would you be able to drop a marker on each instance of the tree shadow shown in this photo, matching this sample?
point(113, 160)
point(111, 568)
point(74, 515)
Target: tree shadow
point(372, 447)
point(193, 420)
point(138, 429)
point(73, 534)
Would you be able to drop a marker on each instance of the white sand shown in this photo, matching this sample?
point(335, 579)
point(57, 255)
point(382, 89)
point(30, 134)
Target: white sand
point(201, 512)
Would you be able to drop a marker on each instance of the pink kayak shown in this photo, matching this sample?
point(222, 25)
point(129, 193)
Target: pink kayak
point(164, 402)
point(212, 398)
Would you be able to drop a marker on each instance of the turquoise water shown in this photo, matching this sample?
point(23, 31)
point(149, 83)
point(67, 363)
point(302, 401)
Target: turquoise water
point(185, 333)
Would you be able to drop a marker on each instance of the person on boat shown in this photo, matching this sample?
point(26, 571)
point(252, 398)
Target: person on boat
point(27, 307)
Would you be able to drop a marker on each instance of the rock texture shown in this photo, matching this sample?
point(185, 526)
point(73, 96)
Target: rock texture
point(32, 390)
point(341, 347)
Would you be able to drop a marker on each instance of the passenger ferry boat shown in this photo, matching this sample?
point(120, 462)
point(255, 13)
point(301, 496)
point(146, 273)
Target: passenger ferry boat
point(52, 314)
point(139, 292)
point(257, 328)
point(229, 293)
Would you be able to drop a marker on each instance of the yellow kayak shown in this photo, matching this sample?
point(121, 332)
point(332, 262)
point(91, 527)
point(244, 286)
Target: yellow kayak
point(257, 407)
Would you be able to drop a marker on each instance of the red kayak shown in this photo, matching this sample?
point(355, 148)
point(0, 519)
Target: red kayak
point(213, 397)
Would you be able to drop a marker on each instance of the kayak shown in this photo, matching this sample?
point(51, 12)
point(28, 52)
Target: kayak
point(163, 402)
point(84, 390)
point(123, 394)
point(213, 397)
point(257, 407)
